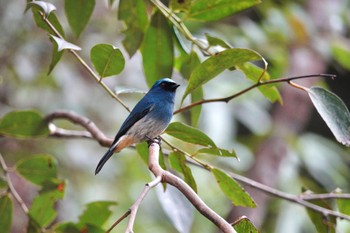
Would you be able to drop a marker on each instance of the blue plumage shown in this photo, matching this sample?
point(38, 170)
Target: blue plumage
point(148, 119)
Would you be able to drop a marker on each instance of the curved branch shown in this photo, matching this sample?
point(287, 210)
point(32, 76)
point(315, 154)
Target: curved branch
point(178, 183)
point(92, 130)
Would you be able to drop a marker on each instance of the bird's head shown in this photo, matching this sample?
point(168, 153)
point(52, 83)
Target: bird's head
point(166, 84)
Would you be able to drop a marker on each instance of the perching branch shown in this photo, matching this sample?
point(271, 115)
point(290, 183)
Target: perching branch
point(258, 84)
point(94, 132)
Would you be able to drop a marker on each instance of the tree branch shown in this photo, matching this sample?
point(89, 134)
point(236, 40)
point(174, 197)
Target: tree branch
point(12, 189)
point(92, 130)
point(258, 84)
point(178, 183)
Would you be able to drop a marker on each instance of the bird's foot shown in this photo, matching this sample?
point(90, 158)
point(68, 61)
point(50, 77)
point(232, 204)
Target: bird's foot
point(154, 140)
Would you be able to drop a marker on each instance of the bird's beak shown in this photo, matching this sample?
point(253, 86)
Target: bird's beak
point(174, 86)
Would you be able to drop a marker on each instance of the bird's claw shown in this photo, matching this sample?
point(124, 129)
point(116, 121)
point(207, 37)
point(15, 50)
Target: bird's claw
point(154, 140)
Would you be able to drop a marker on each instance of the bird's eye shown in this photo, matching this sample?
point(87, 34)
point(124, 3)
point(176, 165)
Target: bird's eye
point(162, 84)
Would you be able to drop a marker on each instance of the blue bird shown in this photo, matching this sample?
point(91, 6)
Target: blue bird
point(149, 118)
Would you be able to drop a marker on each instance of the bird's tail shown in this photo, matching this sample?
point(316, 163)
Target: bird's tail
point(104, 159)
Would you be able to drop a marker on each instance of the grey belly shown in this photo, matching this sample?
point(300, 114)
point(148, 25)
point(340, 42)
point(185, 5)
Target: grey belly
point(146, 128)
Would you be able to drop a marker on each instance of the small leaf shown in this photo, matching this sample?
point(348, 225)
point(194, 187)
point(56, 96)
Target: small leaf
point(46, 7)
point(214, 65)
point(189, 134)
point(157, 49)
point(333, 111)
point(107, 60)
point(6, 208)
point(214, 41)
point(323, 224)
point(134, 15)
point(78, 14)
point(23, 124)
point(37, 169)
point(56, 56)
point(341, 53)
point(209, 10)
point(196, 95)
point(179, 5)
point(90, 216)
point(232, 189)
point(66, 227)
point(189, 63)
point(253, 72)
point(244, 225)
point(41, 23)
point(217, 152)
point(178, 163)
point(177, 208)
point(3, 183)
point(142, 150)
point(63, 44)
point(42, 211)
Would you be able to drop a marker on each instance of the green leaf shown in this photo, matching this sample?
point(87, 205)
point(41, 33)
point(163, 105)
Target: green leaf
point(63, 44)
point(214, 41)
point(54, 187)
point(66, 227)
point(189, 134)
point(323, 224)
point(107, 59)
point(37, 169)
point(3, 183)
point(78, 13)
point(56, 56)
point(333, 111)
point(142, 150)
point(209, 10)
point(23, 124)
point(42, 211)
point(189, 63)
point(6, 208)
point(244, 225)
point(178, 163)
point(232, 189)
point(341, 54)
point(134, 15)
point(157, 49)
point(40, 22)
point(217, 152)
point(196, 95)
point(45, 7)
point(344, 206)
point(214, 65)
point(96, 213)
point(253, 72)
point(179, 5)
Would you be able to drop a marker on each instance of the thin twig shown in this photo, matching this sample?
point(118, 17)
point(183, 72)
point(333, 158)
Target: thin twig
point(13, 191)
point(258, 84)
point(127, 213)
point(84, 64)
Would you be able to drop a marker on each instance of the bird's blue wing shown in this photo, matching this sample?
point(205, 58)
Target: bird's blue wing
point(136, 114)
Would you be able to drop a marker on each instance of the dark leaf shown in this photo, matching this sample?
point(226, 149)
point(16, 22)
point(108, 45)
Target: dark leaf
point(244, 225)
point(78, 13)
point(6, 208)
point(134, 15)
point(157, 50)
point(322, 223)
point(178, 163)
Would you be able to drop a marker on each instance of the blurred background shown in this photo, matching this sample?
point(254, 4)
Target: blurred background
point(286, 146)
